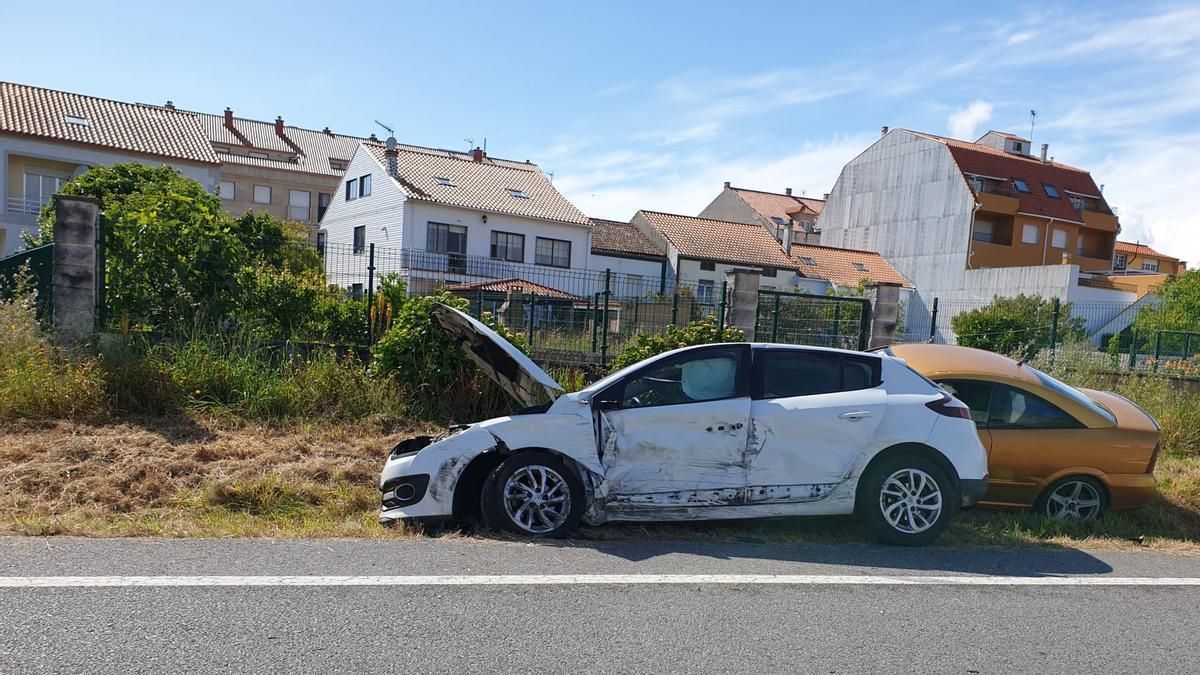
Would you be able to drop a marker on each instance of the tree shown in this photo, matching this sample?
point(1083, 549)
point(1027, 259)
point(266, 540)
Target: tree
point(702, 332)
point(1179, 309)
point(1018, 326)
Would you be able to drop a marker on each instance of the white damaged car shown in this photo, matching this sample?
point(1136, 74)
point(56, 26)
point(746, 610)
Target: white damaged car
point(716, 431)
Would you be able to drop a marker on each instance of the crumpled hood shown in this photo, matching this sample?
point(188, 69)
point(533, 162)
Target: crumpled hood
point(506, 365)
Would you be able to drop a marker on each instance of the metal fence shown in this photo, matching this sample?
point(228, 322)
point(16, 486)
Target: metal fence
point(801, 318)
point(37, 265)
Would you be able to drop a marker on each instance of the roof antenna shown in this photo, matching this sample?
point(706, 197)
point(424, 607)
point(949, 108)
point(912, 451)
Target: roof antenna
point(551, 175)
point(386, 128)
point(470, 144)
point(1032, 120)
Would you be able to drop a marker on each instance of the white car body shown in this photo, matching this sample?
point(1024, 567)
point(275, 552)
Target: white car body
point(745, 455)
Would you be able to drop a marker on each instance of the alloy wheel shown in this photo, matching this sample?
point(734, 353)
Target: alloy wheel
point(537, 499)
point(1074, 499)
point(911, 501)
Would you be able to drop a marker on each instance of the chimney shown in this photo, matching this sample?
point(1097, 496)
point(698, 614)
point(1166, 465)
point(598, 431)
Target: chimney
point(1045, 149)
point(326, 131)
point(787, 191)
point(391, 155)
point(789, 236)
point(279, 125)
point(170, 105)
point(373, 138)
point(229, 117)
point(883, 131)
point(726, 185)
point(477, 155)
point(825, 198)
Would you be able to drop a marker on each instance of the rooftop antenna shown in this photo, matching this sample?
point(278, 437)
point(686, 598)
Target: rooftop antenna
point(551, 175)
point(386, 128)
point(1032, 120)
point(470, 144)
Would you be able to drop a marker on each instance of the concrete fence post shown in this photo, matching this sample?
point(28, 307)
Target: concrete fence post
point(741, 302)
point(76, 281)
point(885, 312)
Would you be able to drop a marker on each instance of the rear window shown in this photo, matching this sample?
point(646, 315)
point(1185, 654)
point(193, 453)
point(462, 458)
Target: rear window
point(784, 373)
point(1074, 394)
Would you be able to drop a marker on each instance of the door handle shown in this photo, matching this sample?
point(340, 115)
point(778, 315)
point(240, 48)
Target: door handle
point(855, 415)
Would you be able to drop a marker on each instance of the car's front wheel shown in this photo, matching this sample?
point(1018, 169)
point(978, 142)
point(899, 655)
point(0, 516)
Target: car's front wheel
point(906, 500)
point(533, 494)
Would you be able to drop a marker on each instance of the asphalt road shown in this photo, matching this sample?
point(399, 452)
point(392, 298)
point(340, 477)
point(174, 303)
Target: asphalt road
point(828, 626)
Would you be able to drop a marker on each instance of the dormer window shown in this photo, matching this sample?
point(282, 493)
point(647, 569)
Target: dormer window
point(518, 193)
point(442, 180)
point(860, 267)
point(778, 220)
point(1021, 185)
point(337, 165)
point(257, 155)
point(1051, 191)
point(77, 120)
point(220, 151)
point(808, 261)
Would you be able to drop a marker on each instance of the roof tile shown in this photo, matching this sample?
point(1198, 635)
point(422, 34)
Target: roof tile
point(837, 265)
point(610, 236)
point(719, 240)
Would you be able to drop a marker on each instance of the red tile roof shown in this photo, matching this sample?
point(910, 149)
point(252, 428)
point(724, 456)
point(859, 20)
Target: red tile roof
point(126, 127)
point(316, 148)
point(515, 285)
point(983, 160)
point(610, 236)
point(1131, 248)
point(837, 265)
point(775, 205)
point(719, 240)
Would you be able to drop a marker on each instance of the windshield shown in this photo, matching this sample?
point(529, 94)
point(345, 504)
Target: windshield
point(1074, 394)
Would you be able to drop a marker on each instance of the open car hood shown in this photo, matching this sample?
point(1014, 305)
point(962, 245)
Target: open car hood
point(504, 363)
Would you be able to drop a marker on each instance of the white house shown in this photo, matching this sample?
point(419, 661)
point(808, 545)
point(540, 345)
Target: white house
point(638, 265)
point(48, 137)
point(439, 217)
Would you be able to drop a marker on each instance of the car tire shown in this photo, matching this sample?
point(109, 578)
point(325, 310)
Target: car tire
point(533, 494)
point(897, 496)
point(1080, 498)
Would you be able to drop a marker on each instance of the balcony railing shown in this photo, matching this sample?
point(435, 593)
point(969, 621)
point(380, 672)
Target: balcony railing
point(23, 205)
point(991, 186)
point(1091, 204)
point(986, 237)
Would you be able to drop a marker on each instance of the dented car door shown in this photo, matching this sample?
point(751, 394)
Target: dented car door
point(673, 434)
point(813, 411)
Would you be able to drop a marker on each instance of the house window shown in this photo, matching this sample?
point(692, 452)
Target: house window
point(1059, 238)
point(1051, 191)
point(323, 199)
point(518, 193)
point(299, 205)
point(1019, 147)
point(1119, 261)
point(1149, 265)
point(364, 186)
point(356, 291)
point(442, 238)
point(228, 190)
point(38, 189)
point(508, 246)
point(351, 190)
point(808, 261)
point(778, 221)
point(552, 252)
point(77, 120)
point(337, 165)
point(322, 236)
point(1021, 185)
point(441, 180)
point(220, 151)
point(257, 155)
point(704, 291)
point(262, 194)
point(860, 267)
point(769, 271)
point(360, 239)
point(707, 266)
point(1029, 233)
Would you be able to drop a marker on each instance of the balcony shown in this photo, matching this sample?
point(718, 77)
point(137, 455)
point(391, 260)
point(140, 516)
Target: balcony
point(991, 186)
point(22, 205)
point(1082, 203)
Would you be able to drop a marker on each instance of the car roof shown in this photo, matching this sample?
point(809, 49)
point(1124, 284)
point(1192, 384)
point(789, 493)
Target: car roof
point(934, 361)
point(780, 345)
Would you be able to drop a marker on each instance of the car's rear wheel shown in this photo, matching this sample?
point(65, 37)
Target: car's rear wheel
point(1080, 498)
point(906, 500)
point(533, 494)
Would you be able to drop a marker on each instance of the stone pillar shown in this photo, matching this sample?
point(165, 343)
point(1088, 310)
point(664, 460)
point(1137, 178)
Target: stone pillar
point(76, 281)
point(885, 312)
point(741, 300)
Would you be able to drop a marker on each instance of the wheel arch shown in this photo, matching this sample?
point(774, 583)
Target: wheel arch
point(470, 483)
point(921, 450)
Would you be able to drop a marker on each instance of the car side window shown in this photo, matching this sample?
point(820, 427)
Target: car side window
point(784, 373)
point(1013, 408)
point(708, 376)
point(977, 395)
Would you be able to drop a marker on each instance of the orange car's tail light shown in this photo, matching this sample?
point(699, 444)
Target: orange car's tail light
point(1154, 457)
point(949, 407)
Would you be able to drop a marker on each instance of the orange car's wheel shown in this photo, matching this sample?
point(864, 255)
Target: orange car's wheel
point(1081, 498)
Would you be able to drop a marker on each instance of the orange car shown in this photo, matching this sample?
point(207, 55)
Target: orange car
point(1064, 451)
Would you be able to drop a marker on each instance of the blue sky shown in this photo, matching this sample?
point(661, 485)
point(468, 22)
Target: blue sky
point(652, 105)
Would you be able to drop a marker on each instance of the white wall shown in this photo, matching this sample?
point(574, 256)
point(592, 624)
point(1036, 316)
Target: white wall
point(479, 233)
point(13, 223)
point(382, 213)
point(650, 271)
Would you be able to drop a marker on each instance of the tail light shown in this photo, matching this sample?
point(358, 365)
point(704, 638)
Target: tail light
point(1154, 457)
point(947, 406)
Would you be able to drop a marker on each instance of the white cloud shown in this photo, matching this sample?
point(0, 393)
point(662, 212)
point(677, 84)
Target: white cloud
point(964, 122)
point(1020, 37)
point(696, 132)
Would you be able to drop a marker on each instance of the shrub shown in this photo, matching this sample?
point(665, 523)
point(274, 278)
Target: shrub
point(704, 331)
point(1017, 326)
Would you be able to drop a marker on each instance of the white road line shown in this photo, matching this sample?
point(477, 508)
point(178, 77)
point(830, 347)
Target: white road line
point(587, 579)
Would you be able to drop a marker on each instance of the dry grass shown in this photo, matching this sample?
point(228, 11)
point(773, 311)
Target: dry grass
point(220, 477)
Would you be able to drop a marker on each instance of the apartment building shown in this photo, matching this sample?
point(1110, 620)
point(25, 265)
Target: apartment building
point(778, 212)
point(48, 137)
